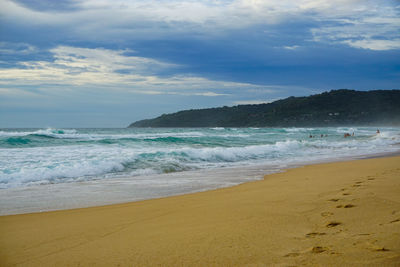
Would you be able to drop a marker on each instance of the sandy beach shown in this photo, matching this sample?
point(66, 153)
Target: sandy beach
point(345, 213)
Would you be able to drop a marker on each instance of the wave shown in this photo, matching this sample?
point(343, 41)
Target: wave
point(63, 173)
point(52, 156)
point(74, 134)
point(81, 163)
point(56, 137)
point(76, 163)
point(235, 154)
point(298, 130)
point(17, 141)
point(49, 132)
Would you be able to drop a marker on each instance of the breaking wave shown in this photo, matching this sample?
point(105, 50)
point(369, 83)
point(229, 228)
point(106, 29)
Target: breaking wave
point(43, 156)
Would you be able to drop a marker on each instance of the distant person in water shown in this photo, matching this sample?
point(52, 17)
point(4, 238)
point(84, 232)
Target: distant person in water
point(346, 135)
point(377, 131)
point(310, 136)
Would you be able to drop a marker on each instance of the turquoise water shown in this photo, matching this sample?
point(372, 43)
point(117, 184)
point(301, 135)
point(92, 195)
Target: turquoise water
point(47, 156)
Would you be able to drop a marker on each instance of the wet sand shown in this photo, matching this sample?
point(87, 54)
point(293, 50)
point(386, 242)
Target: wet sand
point(345, 213)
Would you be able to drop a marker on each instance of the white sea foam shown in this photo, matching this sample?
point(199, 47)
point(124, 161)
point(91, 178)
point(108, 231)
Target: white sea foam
point(73, 167)
point(11, 134)
point(74, 134)
point(53, 162)
point(56, 164)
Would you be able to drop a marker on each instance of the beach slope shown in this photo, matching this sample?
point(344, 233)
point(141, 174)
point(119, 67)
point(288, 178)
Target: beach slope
point(345, 213)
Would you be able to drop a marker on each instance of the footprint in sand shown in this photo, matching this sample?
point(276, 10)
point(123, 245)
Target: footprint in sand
point(326, 214)
point(381, 249)
point(292, 254)
point(346, 194)
point(371, 244)
point(395, 221)
point(357, 184)
point(334, 199)
point(314, 234)
point(318, 249)
point(347, 206)
point(333, 224)
point(378, 248)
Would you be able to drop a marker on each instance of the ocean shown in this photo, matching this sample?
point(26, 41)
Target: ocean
point(100, 166)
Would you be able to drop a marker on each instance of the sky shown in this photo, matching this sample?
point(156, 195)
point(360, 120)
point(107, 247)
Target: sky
point(108, 63)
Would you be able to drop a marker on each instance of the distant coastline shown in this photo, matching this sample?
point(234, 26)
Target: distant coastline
point(335, 108)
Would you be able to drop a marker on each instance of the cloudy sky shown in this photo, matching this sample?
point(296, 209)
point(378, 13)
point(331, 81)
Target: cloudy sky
point(107, 63)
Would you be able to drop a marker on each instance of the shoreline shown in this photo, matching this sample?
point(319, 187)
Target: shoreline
point(329, 214)
point(85, 194)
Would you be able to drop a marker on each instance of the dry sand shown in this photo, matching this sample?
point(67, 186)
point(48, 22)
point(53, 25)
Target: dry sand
point(332, 214)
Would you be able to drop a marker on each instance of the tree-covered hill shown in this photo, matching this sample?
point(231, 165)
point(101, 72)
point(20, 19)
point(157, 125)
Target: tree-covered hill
point(337, 107)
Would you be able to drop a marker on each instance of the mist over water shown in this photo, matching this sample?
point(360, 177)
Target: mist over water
point(47, 156)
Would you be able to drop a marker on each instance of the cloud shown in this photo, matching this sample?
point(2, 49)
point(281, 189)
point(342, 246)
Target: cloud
point(210, 94)
point(375, 44)
point(49, 5)
point(16, 48)
point(371, 26)
point(334, 21)
point(74, 68)
point(292, 47)
point(255, 102)
point(374, 34)
point(152, 92)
